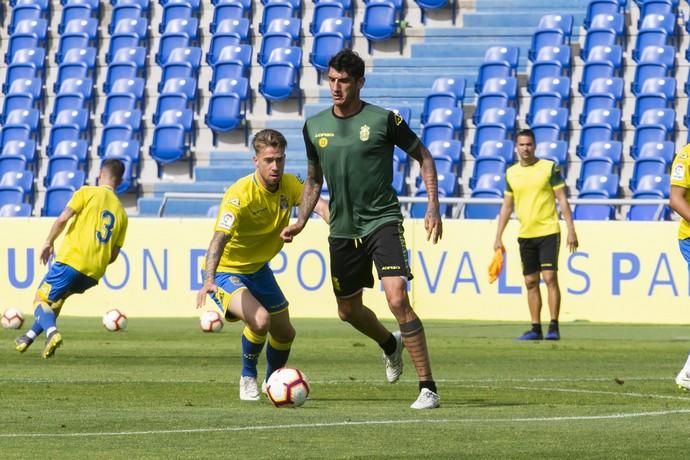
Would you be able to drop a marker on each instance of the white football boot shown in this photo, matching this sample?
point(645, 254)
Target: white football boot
point(394, 363)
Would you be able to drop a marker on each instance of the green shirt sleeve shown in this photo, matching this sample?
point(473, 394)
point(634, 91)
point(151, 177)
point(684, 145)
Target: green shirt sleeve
point(400, 133)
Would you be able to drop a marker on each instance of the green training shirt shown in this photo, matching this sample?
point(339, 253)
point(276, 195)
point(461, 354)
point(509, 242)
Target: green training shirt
point(356, 156)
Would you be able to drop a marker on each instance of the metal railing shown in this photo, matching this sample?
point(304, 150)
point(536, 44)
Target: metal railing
point(443, 200)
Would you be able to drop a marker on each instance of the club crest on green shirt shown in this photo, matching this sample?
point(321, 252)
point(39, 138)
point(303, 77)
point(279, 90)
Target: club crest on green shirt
point(364, 133)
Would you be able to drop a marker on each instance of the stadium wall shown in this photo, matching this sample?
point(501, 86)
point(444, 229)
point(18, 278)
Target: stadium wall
point(623, 272)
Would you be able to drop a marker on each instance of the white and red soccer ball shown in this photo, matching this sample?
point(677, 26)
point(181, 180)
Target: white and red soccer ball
point(211, 321)
point(114, 320)
point(287, 387)
point(12, 319)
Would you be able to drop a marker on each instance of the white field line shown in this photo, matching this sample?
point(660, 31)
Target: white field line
point(106, 381)
point(349, 424)
point(592, 392)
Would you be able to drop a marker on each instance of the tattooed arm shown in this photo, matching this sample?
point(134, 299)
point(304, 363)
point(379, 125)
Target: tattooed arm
point(432, 218)
point(215, 251)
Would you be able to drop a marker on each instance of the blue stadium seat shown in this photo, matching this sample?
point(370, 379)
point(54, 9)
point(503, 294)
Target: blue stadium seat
point(275, 10)
point(611, 117)
point(443, 124)
point(656, 93)
point(232, 32)
point(125, 12)
point(23, 94)
point(21, 180)
point(593, 133)
point(543, 38)
point(341, 25)
point(183, 63)
point(281, 76)
point(24, 120)
point(324, 47)
point(225, 113)
point(607, 95)
point(131, 118)
point(128, 63)
point(606, 37)
point(556, 151)
point(487, 132)
point(594, 166)
point(562, 22)
point(597, 7)
point(55, 200)
point(322, 11)
point(168, 43)
point(649, 38)
point(235, 61)
point(26, 63)
point(185, 26)
point(74, 179)
point(503, 149)
point(271, 42)
point(290, 26)
point(607, 185)
point(551, 93)
point(65, 163)
point(488, 186)
point(451, 149)
point(175, 10)
point(10, 196)
point(665, 150)
point(665, 118)
point(557, 117)
point(500, 116)
point(447, 187)
point(130, 33)
point(425, 5)
point(651, 186)
point(114, 133)
point(74, 94)
point(487, 165)
point(228, 9)
point(25, 149)
point(194, 4)
point(380, 23)
point(129, 149)
point(23, 13)
point(613, 150)
point(169, 145)
point(15, 210)
point(75, 11)
point(9, 163)
point(648, 166)
point(656, 63)
point(648, 134)
point(446, 92)
point(77, 148)
point(499, 62)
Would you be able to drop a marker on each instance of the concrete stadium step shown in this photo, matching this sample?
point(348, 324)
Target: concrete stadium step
point(189, 187)
point(486, 34)
point(534, 6)
point(461, 49)
point(500, 19)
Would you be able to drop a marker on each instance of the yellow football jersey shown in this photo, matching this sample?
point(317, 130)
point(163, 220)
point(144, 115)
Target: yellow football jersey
point(680, 176)
point(100, 224)
point(255, 217)
point(532, 190)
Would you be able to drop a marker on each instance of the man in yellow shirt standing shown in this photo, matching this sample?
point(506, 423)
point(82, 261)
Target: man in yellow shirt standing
point(93, 241)
point(679, 199)
point(246, 237)
point(531, 185)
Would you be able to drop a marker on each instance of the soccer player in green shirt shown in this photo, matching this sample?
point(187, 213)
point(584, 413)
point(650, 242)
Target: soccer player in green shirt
point(352, 144)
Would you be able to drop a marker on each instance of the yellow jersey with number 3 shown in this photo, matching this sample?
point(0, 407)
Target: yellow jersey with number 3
point(680, 176)
point(99, 225)
point(254, 217)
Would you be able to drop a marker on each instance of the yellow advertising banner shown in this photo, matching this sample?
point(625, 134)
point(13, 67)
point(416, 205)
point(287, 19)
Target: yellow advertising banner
point(622, 272)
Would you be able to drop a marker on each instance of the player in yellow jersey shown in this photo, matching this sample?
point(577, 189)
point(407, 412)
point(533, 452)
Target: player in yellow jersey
point(93, 241)
point(531, 185)
point(246, 237)
point(679, 199)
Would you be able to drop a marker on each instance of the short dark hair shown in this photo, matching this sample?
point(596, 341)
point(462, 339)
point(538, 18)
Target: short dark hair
point(114, 167)
point(526, 132)
point(269, 138)
point(348, 61)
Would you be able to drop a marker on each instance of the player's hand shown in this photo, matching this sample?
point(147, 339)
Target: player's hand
point(572, 241)
point(498, 244)
point(291, 231)
point(46, 253)
point(209, 286)
point(433, 224)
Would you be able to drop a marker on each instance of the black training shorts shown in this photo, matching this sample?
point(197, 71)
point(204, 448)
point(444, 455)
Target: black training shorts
point(351, 259)
point(539, 254)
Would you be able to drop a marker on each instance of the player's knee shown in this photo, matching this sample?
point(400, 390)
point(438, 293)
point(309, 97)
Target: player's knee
point(550, 279)
point(260, 322)
point(398, 304)
point(532, 283)
point(346, 310)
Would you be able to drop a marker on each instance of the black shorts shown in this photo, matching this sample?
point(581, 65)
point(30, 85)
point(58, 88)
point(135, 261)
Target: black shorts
point(539, 254)
point(351, 259)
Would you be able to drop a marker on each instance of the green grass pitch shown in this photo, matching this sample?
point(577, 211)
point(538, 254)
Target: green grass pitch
point(163, 389)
